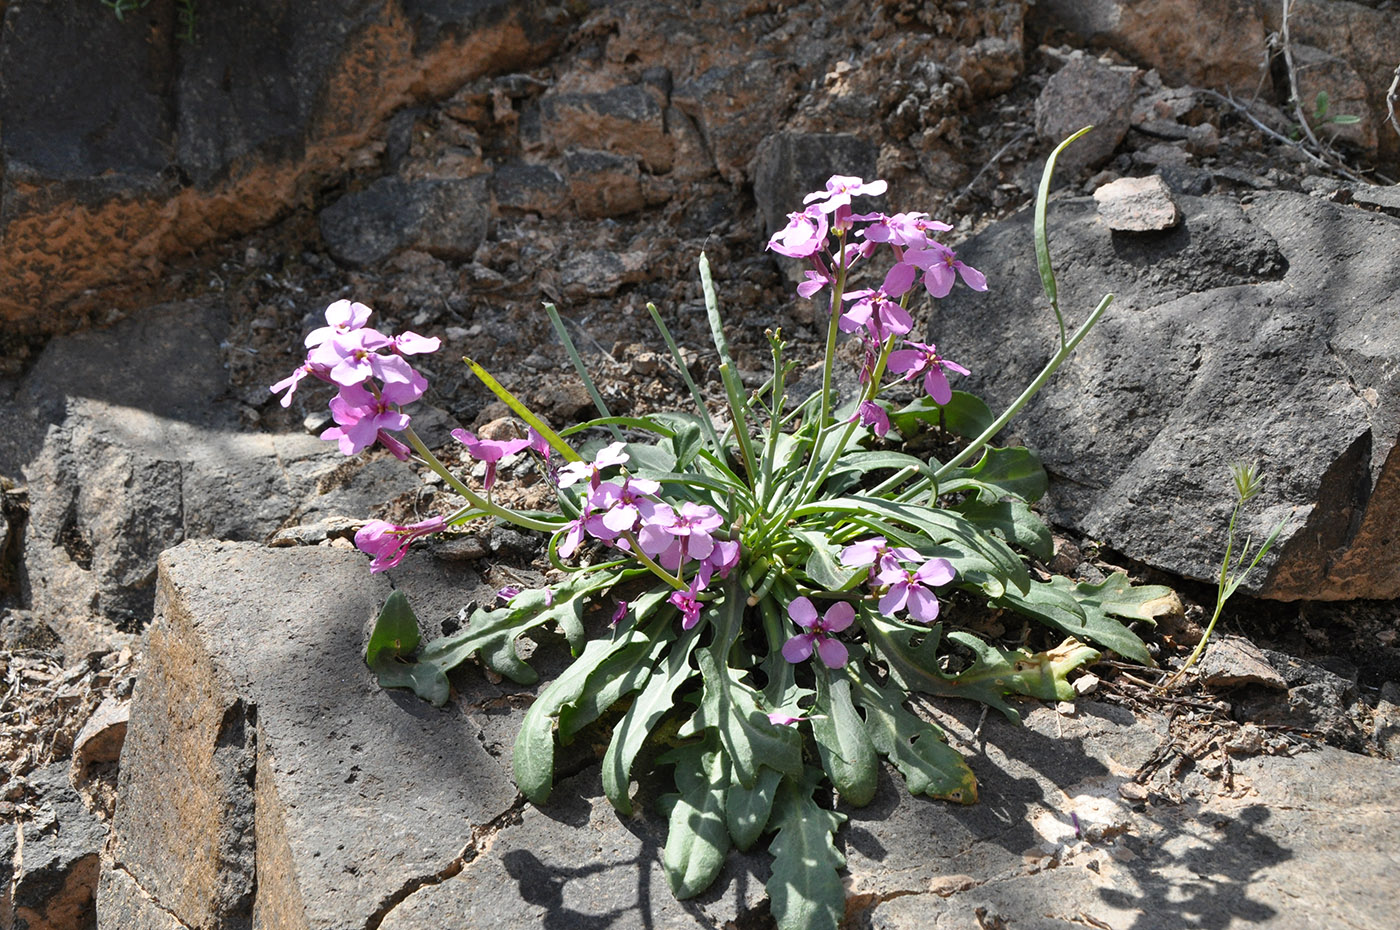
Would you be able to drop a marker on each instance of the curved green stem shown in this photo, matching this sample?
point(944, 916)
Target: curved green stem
point(1055, 361)
point(474, 499)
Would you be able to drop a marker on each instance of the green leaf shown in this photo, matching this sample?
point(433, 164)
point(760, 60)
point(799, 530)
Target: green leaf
point(491, 635)
point(731, 709)
point(824, 566)
point(1015, 471)
point(993, 674)
point(843, 742)
point(1015, 522)
point(965, 415)
point(1057, 605)
point(656, 699)
point(648, 460)
point(1116, 595)
point(533, 760)
point(395, 630)
point(746, 810)
point(394, 637)
point(618, 675)
point(698, 837)
point(805, 889)
point(865, 462)
point(686, 443)
point(918, 749)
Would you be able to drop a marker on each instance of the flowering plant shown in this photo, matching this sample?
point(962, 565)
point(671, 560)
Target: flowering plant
point(780, 572)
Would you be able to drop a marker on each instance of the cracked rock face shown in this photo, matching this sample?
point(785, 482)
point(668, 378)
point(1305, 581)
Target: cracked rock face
point(360, 808)
point(1258, 331)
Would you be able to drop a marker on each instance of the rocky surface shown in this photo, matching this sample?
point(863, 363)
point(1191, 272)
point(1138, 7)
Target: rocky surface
point(456, 163)
point(366, 808)
point(1262, 330)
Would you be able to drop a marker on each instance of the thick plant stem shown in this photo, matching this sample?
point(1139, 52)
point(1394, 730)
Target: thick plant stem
point(1058, 359)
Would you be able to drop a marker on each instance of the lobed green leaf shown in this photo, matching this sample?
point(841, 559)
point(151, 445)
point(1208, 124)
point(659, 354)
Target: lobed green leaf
point(698, 836)
point(843, 742)
point(805, 889)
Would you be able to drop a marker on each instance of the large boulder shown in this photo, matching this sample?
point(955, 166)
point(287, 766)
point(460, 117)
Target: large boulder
point(123, 147)
point(1268, 331)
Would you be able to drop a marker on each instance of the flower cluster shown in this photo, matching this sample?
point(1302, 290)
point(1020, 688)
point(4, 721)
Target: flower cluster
point(627, 513)
point(899, 587)
point(879, 315)
point(371, 372)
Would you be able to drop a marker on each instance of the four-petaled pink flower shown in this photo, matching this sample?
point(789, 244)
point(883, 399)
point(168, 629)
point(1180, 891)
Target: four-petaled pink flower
point(919, 358)
point(574, 472)
point(910, 589)
point(803, 237)
point(342, 317)
point(941, 268)
point(689, 606)
point(840, 189)
point(872, 416)
point(819, 629)
point(877, 553)
point(489, 451)
point(388, 542)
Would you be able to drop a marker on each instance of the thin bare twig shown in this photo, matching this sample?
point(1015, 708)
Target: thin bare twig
point(1320, 161)
point(990, 162)
point(1390, 100)
point(1293, 80)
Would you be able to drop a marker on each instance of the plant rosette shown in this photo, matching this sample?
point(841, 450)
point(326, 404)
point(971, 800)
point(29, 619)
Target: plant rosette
point(777, 570)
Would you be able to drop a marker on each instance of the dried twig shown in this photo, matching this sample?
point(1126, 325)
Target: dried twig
point(1293, 81)
point(1390, 100)
point(1319, 160)
point(990, 162)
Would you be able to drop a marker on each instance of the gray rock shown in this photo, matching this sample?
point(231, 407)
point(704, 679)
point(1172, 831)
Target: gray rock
point(525, 187)
point(140, 452)
point(341, 767)
point(1086, 92)
point(603, 184)
point(1383, 199)
point(1267, 333)
point(107, 123)
point(627, 120)
point(445, 218)
point(1137, 205)
point(790, 165)
point(374, 809)
point(1212, 44)
point(57, 867)
point(1388, 719)
point(1232, 661)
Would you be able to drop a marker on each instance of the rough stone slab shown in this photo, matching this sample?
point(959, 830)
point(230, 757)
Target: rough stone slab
point(447, 218)
point(1217, 44)
point(1250, 858)
point(256, 725)
point(371, 808)
point(130, 444)
point(1268, 331)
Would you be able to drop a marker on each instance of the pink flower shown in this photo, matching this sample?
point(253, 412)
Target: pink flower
point(782, 719)
point(342, 317)
point(874, 417)
point(360, 417)
point(877, 553)
point(919, 358)
point(489, 451)
point(804, 235)
point(620, 613)
point(905, 230)
point(909, 589)
point(688, 605)
point(388, 542)
point(574, 472)
point(839, 191)
point(832, 653)
point(409, 343)
point(941, 268)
